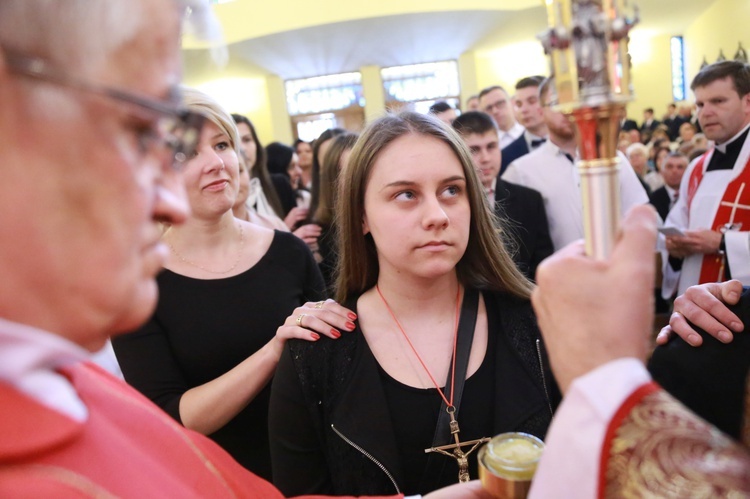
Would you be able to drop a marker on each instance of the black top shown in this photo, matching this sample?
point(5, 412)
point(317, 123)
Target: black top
point(202, 328)
point(710, 379)
point(526, 227)
point(328, 250)
point(726, 160)
point(674, 125)
point(661, 201)
point(627, 125)
point(513, 151)
point(285, 192)
point(414, 414)
point(646, 187)
point(330, 424)
point(650, 126)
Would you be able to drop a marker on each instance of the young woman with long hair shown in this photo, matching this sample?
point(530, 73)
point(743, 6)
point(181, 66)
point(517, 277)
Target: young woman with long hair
point(422, 267)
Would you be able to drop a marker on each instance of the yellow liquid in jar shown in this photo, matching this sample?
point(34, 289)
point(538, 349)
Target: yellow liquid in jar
point(513, 456)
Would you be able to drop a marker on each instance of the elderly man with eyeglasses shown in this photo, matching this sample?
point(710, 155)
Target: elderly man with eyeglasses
point(83, 192)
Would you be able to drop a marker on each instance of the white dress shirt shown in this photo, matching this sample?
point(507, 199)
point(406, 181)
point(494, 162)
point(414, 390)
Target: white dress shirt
point(490, 191)
point(550, 172)
point(672, 195)
point(506, 138)
point(533, 142)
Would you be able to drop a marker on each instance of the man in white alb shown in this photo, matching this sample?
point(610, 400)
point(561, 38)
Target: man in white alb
point(713, 208)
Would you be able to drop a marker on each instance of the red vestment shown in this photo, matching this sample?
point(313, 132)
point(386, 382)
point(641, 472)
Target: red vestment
point(126, 448)
point(655, 447)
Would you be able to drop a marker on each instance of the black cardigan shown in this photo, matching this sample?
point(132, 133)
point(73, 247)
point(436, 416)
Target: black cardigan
point(710, 379)
point(327, 399)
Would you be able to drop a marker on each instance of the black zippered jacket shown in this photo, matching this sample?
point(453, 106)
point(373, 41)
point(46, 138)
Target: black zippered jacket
point(330, 428)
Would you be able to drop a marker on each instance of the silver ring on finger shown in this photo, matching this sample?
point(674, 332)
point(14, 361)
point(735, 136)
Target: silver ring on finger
point(320, 304)
point(299, 319)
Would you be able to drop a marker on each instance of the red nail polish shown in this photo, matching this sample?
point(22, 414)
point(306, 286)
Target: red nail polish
point(350, 326)
point(315, 336)
point(335, 333)
point(352, 316)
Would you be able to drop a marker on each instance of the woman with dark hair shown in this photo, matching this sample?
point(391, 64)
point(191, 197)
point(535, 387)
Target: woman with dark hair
point(283, 165)
point(320, 147)
point(255, 156)
point(334, 161)
point(437, 298)
point(283, 162)
point(250, 197)
point(304, 152)
point(273, 186)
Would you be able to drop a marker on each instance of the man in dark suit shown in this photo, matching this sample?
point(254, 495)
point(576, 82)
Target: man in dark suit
point(672, 169)
point(522, 209)
point(663, 198)
point(530, 115)
point(626, 124)
point(649, 122)
point(674, 120)
point(660, 200)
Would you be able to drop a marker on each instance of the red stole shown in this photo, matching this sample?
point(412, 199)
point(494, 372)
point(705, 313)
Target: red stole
point(734, 208)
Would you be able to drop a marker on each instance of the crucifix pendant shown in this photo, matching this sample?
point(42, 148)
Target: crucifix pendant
point(457, 452)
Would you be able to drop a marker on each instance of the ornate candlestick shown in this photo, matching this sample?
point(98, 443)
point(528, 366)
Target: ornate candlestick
point(587, 44)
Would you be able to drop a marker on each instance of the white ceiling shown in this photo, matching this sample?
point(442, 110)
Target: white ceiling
point(383, 41)
point(413, 38)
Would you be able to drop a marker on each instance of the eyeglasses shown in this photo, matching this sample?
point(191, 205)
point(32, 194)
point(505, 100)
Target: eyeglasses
point(495, 105)
point(551, 103)
point(176, 129)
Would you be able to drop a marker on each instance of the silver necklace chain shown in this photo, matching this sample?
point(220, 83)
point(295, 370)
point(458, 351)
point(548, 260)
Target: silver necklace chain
point(193, 264)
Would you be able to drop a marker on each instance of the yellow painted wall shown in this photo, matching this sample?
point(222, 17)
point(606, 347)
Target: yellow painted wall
point(239, 87)
point(722, 26)
point(281, 126)
point(507, 64)
point(651, 72)
point(513, 52)
point(372, 88)
point(467, 76)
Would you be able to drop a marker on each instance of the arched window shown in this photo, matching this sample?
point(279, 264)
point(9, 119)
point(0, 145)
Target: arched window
point(322, 102)
point(678, 68)
point(418, 86)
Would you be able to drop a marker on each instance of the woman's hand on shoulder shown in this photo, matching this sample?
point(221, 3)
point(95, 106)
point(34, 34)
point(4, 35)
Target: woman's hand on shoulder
point(313, 319)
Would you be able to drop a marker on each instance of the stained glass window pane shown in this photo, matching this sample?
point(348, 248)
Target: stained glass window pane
point(324, 93)
point(678, 68)
point(421, 82)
